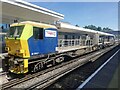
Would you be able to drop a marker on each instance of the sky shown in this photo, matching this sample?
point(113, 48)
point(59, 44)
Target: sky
point(103, 14)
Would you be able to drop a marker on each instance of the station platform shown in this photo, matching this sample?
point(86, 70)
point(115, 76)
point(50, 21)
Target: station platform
point(105, 76)
point(1, 57)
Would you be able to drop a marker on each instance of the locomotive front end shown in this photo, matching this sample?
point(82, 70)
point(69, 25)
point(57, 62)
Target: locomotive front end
point(27, 42)
point(17, 47)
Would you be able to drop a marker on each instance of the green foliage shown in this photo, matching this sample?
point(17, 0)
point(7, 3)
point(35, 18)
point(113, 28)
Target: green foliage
point(99, 29)
point(91, 27)
point(105, 29)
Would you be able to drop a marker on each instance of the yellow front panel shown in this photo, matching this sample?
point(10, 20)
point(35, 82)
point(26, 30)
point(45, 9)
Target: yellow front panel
point(19, 46)
point(25, 49)
point(25, 65)
point(13, 45)
point(27, 33)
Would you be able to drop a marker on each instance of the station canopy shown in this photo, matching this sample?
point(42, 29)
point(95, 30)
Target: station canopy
point(22, 11)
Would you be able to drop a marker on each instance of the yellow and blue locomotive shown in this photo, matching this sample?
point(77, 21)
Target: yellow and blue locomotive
point(27, 40)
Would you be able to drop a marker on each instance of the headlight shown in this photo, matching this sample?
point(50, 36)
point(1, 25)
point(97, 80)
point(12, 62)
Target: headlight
point(15, 62)
point(7, 49)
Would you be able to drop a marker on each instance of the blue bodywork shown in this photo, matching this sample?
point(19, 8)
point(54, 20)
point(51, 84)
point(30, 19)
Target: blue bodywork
point(43, 46)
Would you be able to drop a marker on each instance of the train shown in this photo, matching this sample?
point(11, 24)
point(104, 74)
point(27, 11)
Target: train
point(32, 46)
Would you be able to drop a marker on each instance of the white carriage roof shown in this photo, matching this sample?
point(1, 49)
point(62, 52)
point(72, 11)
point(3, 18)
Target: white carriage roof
point(64, 27)
point(21, 10)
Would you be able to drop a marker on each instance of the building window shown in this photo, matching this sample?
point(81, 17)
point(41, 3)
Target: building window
point(37, 33)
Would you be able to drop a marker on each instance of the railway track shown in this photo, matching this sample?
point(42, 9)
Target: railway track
point(54, 72)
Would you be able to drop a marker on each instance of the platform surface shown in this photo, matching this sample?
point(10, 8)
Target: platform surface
point(106, 76)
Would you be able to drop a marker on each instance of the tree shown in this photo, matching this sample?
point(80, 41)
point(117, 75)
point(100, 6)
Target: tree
point(105, 29)
point(99, 29)
point(77, 25)
point(91, 27)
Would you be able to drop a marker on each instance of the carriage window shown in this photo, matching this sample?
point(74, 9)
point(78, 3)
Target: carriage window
point(38, 33)
point(73, 37)
point(66, 36)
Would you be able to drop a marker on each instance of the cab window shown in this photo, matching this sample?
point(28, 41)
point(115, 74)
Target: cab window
point(38, 33)
point(15, 31)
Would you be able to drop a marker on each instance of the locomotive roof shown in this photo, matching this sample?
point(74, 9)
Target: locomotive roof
point(37, 24)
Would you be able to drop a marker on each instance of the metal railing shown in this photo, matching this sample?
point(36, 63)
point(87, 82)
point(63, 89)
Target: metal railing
point(73, 42)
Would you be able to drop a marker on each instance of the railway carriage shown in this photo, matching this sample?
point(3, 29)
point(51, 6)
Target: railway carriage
point(33, 46)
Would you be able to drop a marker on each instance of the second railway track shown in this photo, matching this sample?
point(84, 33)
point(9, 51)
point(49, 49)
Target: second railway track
point(46, 77)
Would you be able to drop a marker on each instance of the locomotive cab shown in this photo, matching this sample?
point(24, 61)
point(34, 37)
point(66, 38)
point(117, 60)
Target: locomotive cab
point(25, 40)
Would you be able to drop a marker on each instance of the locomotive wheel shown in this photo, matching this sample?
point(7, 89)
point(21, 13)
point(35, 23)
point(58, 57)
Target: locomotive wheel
point(38, 67)
point(59, 59)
